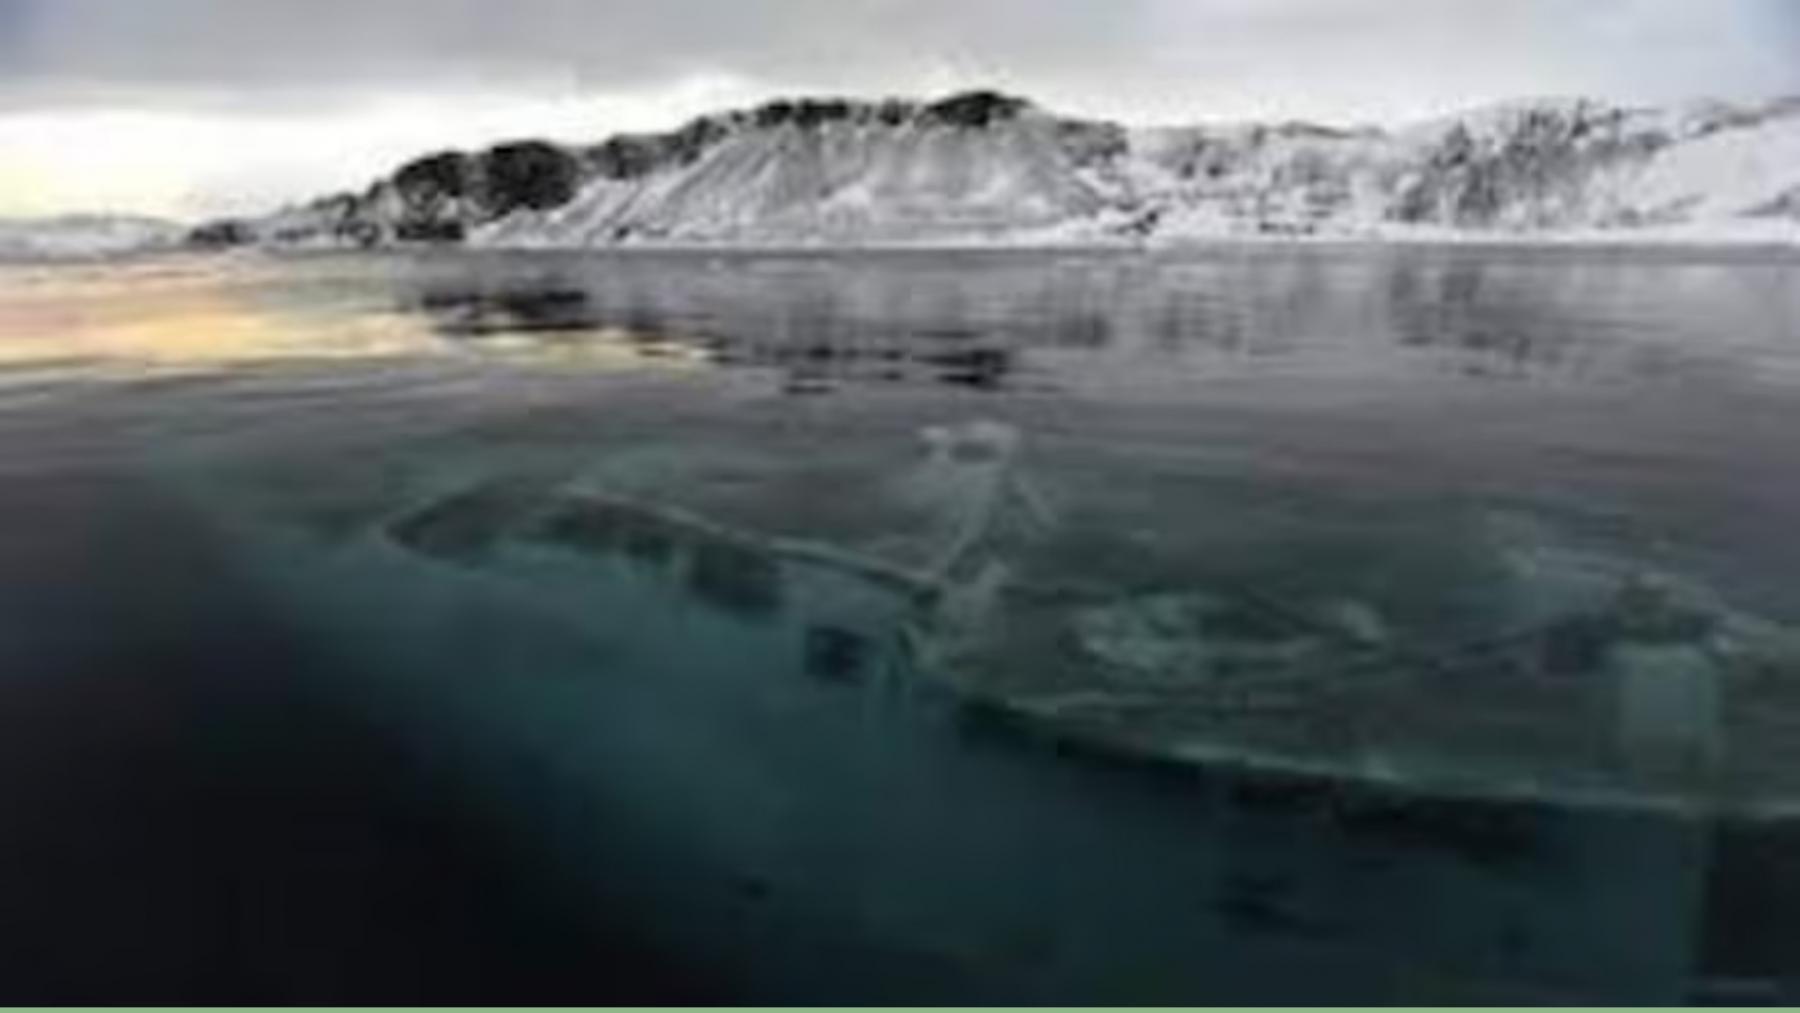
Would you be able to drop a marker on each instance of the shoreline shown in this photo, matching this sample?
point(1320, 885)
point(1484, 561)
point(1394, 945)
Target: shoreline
point(1554, 243)
point(1780, 244)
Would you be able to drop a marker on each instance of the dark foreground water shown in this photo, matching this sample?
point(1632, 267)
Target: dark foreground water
point(1258, 625)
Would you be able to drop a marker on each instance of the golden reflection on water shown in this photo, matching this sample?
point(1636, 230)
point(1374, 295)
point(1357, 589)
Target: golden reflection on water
point(170, 317)
point(213, 314)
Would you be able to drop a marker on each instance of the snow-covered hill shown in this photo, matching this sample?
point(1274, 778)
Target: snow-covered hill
point(82, 236)
point(989, 168)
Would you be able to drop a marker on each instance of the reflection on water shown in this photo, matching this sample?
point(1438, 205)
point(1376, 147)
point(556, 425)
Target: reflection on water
point(173, 317)
point(807, 337)
point(962, 319)
point(472, 312)
point(900, 319)
point(1251, 625)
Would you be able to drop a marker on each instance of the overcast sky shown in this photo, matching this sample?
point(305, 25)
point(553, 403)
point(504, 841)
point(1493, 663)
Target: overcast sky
point(195, 107)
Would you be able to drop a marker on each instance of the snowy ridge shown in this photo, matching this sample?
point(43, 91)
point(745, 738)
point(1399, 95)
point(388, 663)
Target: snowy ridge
point(838, 182)
point(984, 168)
point(75, 237)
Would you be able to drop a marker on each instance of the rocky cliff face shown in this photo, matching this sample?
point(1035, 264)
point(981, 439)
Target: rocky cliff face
point(985, 167)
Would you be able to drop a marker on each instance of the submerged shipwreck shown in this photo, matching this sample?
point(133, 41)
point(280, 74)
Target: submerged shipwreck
point(1597, 678)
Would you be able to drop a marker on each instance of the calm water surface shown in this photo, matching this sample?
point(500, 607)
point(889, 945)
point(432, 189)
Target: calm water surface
point(1250, 625)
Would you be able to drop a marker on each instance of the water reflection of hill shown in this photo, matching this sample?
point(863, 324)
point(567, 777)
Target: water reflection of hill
point(990, 324)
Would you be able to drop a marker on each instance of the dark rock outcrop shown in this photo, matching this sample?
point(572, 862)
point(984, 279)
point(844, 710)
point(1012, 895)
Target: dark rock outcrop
point(974, 109)
point(222, 233)
point(528, 174)
point(1538, 159)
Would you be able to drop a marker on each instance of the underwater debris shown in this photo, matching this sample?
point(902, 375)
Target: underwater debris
point(608, 527)
point(834, 654)
point(733, 576)
point(1669, 705)
point(1487, 831)
point(1651, 611)
point(1606, 677)
point(1574, 645)
point(462, 526)
point(663, 537)
point(732, 572)
point(1176, 639)
point(1623, 682)
point(970, 481)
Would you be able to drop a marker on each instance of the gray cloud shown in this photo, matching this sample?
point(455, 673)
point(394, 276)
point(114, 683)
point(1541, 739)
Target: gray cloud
point(1156, 58)
point(181, 48)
